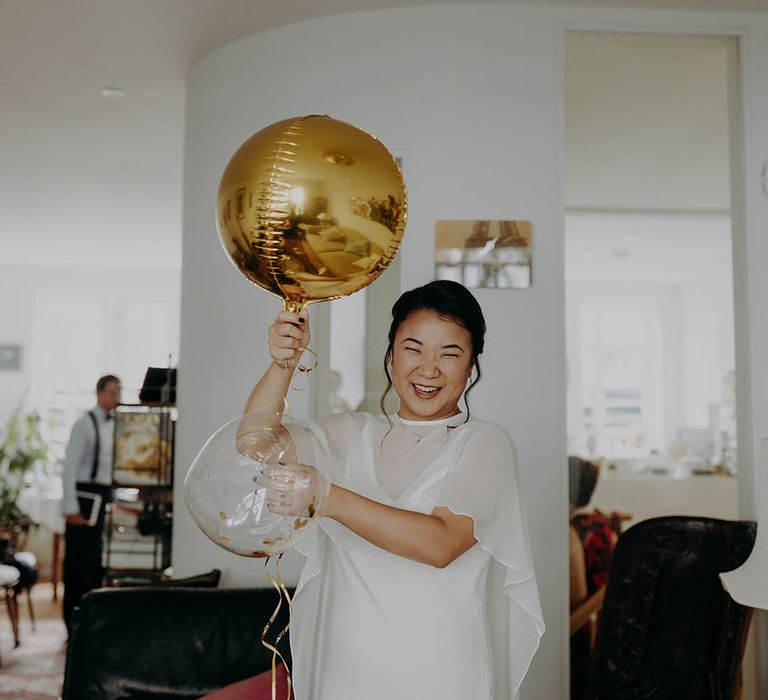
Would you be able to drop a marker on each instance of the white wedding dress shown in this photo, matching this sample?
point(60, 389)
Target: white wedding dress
point(370, 625)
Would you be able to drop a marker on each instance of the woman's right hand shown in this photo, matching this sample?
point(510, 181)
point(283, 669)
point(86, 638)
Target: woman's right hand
point(288, 334)
point(294, 489)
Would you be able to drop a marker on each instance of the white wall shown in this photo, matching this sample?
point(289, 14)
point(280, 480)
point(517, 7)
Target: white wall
point(473, 96)
point(115, 292)
point(22, 288)
point(347, 346)
point(17, 302)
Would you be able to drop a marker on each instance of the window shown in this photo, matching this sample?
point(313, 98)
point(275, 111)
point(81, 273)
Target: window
point(621, 409)
point(79, 336)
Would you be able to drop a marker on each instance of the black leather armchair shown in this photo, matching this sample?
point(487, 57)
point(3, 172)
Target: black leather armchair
point(168, 643)
point(668, 629)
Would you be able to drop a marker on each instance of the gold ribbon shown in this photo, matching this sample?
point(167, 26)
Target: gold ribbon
point(277, 582)
point(303, 369)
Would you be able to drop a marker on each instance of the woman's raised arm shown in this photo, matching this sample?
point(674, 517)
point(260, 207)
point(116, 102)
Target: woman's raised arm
point(287, 335)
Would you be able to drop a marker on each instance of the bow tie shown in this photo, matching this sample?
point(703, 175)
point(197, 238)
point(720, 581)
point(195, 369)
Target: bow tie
point(108, 416)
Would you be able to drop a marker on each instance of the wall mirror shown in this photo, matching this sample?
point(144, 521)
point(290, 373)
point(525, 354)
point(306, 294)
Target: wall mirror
point(484, 253)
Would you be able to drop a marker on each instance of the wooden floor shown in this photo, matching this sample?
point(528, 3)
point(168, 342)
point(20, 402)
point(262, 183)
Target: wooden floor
point(34, 670)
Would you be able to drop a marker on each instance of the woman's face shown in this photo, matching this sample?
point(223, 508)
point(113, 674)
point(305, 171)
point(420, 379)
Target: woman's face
point(431, 362)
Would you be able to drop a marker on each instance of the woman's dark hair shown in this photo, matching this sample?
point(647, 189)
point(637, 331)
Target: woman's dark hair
point(450, 300)
point(582, 479)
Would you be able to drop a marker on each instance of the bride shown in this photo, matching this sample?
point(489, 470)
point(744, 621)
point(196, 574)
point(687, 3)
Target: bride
point(419, 584)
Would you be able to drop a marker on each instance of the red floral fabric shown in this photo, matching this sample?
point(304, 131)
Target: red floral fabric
point(597, 537)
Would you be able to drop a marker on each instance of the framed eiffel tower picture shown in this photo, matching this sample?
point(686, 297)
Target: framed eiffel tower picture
point(484, 253)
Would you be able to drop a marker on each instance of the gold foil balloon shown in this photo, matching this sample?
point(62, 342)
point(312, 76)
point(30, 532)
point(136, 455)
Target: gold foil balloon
point(311, 209)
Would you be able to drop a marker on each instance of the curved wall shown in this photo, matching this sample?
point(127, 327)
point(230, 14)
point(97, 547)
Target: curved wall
point(471, 98)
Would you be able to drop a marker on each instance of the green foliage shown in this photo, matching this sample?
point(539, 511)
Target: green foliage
point(21, 447)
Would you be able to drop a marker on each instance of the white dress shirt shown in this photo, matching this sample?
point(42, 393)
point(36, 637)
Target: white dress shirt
point(78, 460)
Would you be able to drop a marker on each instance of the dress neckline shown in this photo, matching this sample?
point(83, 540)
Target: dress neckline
point(427, 438)
point(451, 421)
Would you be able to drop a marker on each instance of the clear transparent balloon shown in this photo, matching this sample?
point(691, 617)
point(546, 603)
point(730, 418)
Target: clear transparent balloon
point(221, 493)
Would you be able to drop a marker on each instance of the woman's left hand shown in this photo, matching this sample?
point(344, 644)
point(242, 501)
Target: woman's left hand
point(294, 489)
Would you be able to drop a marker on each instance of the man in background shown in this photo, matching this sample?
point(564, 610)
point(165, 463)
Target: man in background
point(87, 469)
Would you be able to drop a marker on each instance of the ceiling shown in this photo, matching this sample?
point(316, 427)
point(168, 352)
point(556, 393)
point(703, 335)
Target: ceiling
point(89, 180)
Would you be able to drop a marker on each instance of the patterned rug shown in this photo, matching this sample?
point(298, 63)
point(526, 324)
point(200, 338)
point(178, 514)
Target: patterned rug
point(34, 670)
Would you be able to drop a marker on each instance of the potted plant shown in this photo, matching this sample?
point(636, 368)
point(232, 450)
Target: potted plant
point(21, 448)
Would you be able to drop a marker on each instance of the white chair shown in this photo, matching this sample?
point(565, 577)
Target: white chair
point(9, 577)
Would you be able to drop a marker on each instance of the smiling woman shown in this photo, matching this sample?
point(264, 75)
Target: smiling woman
point(422, 507)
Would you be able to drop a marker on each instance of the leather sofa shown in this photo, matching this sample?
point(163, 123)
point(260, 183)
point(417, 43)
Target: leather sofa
point(169, 643)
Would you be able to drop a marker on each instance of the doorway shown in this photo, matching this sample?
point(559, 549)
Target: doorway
point(649, 276)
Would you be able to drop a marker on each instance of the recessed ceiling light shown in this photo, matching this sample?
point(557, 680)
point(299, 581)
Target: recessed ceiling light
point(112, 92)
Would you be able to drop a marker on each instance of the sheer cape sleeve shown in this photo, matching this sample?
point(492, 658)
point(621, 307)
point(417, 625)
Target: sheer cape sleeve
point(483, 484)
point(326, 444)
point(323, 443)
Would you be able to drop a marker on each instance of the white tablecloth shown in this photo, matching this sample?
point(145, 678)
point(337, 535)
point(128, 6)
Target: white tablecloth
point(42, 503)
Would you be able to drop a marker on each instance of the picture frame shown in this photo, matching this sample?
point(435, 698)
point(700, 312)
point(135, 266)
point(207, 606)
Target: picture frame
point(10, 358)
point(484, 253)
point(142, 448)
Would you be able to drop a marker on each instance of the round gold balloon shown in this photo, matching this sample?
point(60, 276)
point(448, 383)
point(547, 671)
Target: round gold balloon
point(311, 209)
